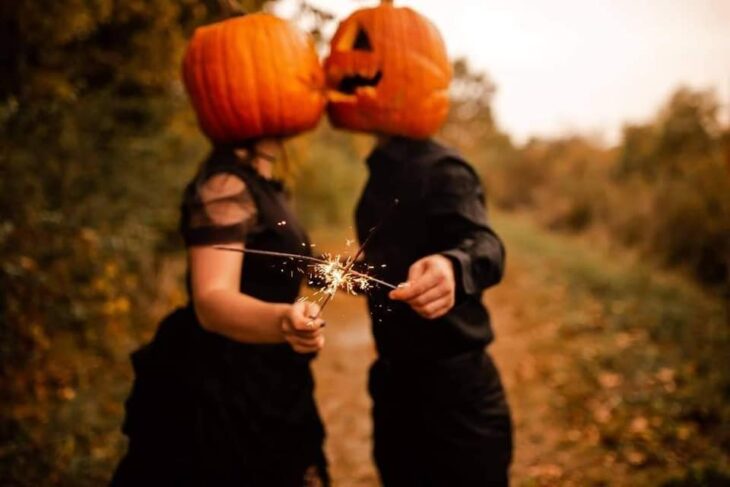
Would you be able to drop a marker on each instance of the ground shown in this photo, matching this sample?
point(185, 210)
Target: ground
point(610, 364)
point(594, 384)
point(341, 374)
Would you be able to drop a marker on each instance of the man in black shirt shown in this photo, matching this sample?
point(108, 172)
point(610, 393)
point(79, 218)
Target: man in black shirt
point(439, 412)
point(440, 415)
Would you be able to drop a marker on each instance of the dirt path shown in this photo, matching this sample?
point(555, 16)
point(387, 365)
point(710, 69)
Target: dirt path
point(341, 372)
point(341, 375)
point(588, 344)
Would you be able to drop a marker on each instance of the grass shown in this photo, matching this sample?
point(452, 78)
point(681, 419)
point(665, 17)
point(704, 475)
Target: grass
point(638, 357)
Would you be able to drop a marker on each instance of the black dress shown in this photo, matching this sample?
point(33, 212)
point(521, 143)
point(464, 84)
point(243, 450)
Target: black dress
point(204, 409)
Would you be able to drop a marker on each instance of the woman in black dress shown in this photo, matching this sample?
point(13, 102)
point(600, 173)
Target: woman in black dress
point(223, 394)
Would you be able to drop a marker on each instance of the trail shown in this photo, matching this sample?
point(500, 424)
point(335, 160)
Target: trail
point(601, 355)
point(341, 372)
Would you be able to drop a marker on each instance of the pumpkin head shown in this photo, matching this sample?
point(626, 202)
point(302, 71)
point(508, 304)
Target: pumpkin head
point(253, 76)
point(388, 73)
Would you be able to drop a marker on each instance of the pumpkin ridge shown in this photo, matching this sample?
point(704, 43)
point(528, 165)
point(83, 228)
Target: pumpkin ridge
point(284, 61)
point(234, 73)
point(213, 73)
point(400, 114)
point(246, 82)
point(203, 94)
point(228, 111)
point(281, 63)
point(273, 115)
point(255, 94)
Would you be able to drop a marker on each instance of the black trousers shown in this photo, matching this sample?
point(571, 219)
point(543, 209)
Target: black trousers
point(441, 424)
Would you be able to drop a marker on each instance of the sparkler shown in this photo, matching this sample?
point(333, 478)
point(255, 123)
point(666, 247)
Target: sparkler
point(333, 272)
point(359, 252)
point(329, 269)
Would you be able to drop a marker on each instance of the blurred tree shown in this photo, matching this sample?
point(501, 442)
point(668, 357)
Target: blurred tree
point(638, 149)
point(471, 120)
point(687, 127)
point(96, 141)
point(471, 94)
point(471, 127)
point(664, 189)
point(682, 156)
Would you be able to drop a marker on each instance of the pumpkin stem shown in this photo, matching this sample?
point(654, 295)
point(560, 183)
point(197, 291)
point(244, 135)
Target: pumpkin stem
point(386, 2)
point(231, 8)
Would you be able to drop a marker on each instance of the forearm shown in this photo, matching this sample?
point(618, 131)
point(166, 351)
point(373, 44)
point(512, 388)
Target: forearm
point(240, 317)
point(478, 261)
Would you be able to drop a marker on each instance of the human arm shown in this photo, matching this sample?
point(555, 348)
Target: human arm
point(223, 212)
point(472, 258)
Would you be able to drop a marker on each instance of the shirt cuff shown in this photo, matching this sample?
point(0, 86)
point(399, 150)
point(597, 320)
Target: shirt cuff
point(462, 272)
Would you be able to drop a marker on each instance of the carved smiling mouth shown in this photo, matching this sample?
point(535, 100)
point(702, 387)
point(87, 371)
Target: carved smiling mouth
point(349, 84)
point(363, 73)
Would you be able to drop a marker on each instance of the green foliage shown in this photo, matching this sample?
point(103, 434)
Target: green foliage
point(700, 477)
point(82, 220)
point(97, 140)
point(632, 364)
point(664, 190)
point(330, 175)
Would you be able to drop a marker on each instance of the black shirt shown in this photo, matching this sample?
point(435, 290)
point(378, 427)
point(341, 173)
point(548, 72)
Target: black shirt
point(440, 210)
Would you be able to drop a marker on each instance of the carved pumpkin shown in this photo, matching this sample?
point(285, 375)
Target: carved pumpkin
point(253, 76)
point(388, 72)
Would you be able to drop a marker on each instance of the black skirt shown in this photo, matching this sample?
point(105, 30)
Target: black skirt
point(205, 410)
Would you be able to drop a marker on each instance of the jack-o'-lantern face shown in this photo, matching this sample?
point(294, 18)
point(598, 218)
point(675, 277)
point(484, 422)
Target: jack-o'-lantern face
point(388, 73)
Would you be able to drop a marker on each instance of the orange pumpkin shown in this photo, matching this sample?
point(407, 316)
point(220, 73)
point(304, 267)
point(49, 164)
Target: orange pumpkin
point(253, 76)
point(388, 73)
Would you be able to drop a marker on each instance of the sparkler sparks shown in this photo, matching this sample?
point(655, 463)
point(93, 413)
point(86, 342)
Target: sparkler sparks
point(331, 270)
point(336, 274)
point(359, 252)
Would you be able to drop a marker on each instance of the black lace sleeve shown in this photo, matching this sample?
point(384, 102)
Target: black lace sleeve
point(217, 210)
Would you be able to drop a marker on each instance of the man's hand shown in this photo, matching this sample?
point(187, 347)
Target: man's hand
point(430, 289)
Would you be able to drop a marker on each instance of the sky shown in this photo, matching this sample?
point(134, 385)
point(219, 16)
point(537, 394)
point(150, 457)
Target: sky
point(585, 66)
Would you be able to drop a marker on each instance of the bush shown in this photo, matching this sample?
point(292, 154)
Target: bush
point(664, 190)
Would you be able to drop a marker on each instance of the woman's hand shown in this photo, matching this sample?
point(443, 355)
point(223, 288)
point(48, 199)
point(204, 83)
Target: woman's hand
point(300, 329)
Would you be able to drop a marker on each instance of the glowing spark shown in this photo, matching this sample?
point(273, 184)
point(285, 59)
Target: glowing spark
point(352, 276)
point(336, 274)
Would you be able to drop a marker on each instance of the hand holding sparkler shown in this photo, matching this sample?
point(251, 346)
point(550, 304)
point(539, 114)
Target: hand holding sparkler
point(301, 329)
point(431, 287)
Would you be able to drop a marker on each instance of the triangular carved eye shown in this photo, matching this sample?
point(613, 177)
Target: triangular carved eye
point(362, 41)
